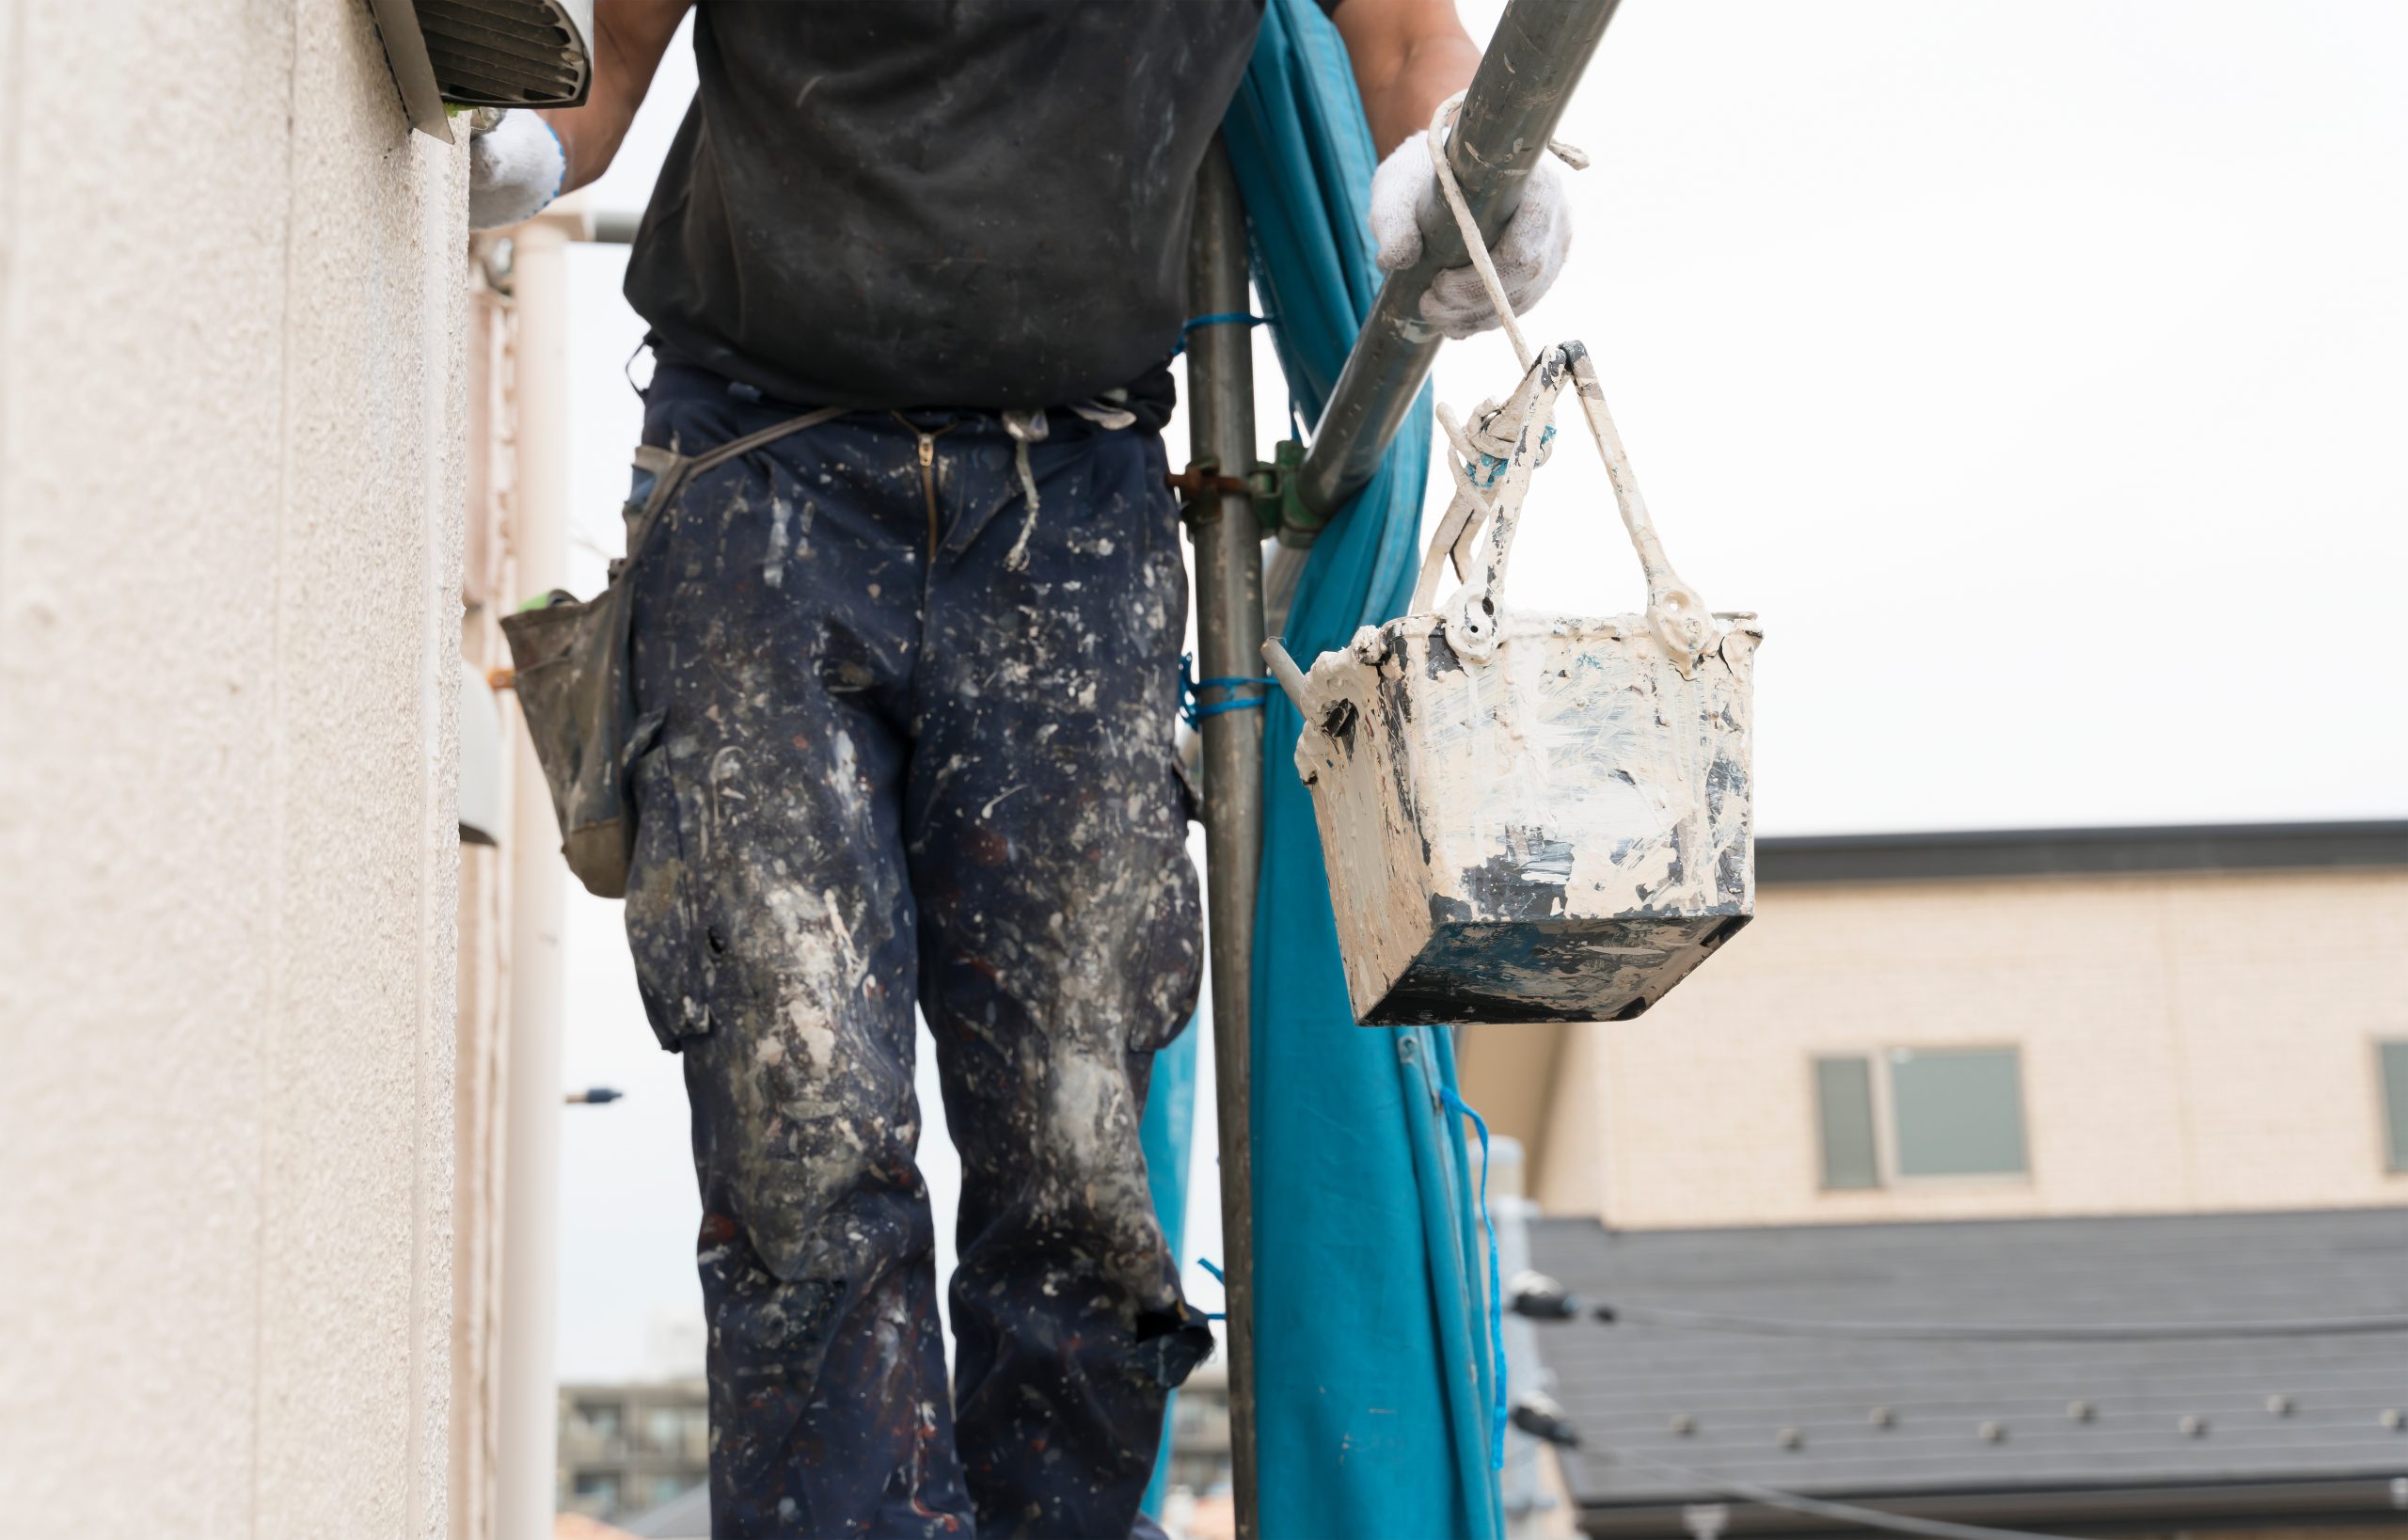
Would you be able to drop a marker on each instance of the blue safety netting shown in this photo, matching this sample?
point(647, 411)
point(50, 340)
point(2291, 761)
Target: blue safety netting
point(1375, 1391)
point(1169, 1133)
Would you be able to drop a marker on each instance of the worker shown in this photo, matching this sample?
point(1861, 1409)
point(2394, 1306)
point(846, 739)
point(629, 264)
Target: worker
point(904, 680)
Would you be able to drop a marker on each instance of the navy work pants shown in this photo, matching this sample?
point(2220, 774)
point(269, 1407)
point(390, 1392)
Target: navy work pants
point(899, 744)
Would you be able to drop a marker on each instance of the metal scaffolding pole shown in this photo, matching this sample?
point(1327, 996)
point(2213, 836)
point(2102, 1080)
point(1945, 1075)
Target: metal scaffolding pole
point(1516, 100)
point(1229, 639)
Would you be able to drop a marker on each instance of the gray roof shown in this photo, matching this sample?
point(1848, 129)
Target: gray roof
point(685, 1517)
point(1623, 1385)
point(2051, 853)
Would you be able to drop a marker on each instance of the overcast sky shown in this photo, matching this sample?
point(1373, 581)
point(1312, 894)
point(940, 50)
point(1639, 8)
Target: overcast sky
point(2037, 370)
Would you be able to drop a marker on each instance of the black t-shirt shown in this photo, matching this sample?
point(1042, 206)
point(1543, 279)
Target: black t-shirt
point(936, 203)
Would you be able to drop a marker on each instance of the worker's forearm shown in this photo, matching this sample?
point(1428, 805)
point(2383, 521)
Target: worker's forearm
point(630, 37)
point(1408, 56)
point(590, 136)
point(1430, 71)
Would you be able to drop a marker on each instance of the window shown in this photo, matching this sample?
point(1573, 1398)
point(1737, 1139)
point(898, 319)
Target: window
point(1912, 1113)
point(598, 1419)
point(595, 1492)
point(667, 1430)
point(1958, 1111)
point(2393, 1059)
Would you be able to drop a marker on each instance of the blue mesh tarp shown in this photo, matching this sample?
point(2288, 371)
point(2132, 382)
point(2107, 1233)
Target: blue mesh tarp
point(1374, 1400)
point(1169, 1133)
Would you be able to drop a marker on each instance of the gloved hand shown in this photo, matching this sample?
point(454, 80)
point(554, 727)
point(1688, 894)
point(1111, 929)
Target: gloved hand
point(515, 169)
point(1528, 254)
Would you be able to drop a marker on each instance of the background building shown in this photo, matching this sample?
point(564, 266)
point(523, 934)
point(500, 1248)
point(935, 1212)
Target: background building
point(1983, 1025)
point(1951, 1094)
point(1199, 1430)
point(627, 1449)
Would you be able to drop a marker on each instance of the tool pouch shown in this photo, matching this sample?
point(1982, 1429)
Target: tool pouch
point(576, 685)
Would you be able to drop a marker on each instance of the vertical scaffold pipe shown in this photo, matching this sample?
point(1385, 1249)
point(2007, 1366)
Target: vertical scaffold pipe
point(1516, 98)
point(1228, 641)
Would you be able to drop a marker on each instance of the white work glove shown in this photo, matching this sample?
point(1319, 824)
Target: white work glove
point(1528, 254)
point(515, 169)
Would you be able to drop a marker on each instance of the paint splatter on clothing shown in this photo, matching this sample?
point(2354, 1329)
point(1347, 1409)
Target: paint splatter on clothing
point(877, 766)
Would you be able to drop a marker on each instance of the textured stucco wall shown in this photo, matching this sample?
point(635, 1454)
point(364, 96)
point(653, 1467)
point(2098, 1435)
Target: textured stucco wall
point(230, 303)
point(2191, 1042)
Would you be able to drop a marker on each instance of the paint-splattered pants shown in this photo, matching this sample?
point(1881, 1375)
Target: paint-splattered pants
point(899, 744)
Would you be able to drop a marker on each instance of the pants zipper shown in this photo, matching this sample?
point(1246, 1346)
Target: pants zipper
point(929, 476)
point(928, 489)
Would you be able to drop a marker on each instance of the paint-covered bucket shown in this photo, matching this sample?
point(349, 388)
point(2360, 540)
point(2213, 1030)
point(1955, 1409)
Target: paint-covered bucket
point(1526, 817)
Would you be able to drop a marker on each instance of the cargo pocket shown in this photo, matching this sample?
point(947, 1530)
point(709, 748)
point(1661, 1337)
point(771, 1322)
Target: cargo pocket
point(665, 925)
point(1167, 967)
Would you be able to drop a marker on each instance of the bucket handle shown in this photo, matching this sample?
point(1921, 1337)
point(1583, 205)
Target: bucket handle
point(1674, 610)
point(1291, 678)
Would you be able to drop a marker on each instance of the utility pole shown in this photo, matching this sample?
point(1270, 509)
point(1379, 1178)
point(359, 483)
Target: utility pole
point(1228, 641)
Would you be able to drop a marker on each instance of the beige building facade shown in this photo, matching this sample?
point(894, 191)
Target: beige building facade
point(231, 387)
point(2212, 1035)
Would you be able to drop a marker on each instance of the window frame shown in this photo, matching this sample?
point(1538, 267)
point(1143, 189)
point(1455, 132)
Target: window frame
point(2391, 1118)
point(1888, 1176)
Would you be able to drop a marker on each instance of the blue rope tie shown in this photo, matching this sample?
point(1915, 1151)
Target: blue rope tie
point(1193, 708)
point(1219, 318)
point(1495, 467)
point(1496, 1288)
point(1218, 1277)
